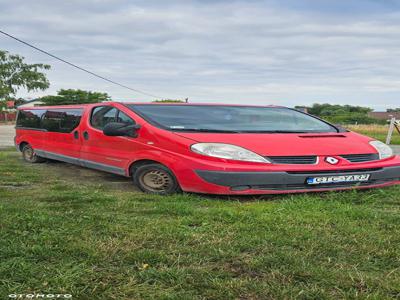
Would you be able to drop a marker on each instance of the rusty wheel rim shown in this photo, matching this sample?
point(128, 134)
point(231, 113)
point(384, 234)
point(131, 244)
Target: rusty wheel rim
point(29, 154)
point(156, 181)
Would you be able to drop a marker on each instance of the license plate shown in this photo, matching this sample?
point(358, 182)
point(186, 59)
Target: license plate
point(338, 179)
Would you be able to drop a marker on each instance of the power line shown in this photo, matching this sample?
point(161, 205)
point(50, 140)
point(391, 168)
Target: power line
point(78, 67)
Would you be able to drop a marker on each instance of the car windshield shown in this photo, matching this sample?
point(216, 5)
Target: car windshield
point(230, 119)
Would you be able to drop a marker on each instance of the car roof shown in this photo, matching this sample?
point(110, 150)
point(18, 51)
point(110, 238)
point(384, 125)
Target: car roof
point(54, 107)
point(144, 103)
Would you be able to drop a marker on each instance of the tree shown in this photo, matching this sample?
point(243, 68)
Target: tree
point(335, 110)
point(16, 74)
point(393, 110)
point(343, 114)
point(71, 96)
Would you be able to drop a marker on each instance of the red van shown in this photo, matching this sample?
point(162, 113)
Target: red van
point(215, 149)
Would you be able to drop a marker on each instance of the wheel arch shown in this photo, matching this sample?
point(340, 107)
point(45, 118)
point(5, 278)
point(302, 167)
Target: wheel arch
point(141, 162)
point(21, 145)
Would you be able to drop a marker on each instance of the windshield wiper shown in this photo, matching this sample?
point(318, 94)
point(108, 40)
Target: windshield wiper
point(205, 130)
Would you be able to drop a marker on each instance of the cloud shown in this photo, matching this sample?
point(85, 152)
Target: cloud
point(283, 52)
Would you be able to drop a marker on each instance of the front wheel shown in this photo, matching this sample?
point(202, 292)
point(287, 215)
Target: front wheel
point(155, 179)
point(30, 156)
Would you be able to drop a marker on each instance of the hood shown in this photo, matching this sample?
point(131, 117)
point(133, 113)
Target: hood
point(291, 144)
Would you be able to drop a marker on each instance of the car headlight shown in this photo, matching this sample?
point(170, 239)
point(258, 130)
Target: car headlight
point(227, 151)
point(384, 150)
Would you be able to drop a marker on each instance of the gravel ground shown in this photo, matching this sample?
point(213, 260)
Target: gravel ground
point(7, 133)
point(396, 149)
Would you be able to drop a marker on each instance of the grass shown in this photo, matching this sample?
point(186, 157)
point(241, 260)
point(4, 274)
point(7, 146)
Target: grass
point(62, 234)
point(378, 132)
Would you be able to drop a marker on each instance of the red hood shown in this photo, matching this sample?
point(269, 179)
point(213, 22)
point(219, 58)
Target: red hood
point(291, 144)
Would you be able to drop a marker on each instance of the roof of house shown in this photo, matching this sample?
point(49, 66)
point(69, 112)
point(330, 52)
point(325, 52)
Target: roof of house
point(30, 101)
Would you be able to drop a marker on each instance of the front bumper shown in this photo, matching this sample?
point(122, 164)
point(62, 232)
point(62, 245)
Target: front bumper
point(295, 181)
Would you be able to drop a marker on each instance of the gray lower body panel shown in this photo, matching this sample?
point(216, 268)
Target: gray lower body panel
point(81, 162)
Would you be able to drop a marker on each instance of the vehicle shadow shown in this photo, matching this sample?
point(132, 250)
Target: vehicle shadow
point(78, 175)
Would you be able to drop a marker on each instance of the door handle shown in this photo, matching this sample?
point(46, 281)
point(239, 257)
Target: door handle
point(85, 135)
point(76, 135)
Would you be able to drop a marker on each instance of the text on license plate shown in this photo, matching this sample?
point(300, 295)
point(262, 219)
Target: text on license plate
point(338, 179)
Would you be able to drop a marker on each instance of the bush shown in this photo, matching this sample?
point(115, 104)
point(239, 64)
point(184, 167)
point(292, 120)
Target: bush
point(354, 118)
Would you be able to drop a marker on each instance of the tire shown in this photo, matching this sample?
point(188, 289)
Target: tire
point(155, 179)
point(30, 156)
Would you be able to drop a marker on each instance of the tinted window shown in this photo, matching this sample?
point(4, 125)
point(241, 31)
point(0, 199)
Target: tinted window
point(61, 120)
point(30, 118)
point(102, 115)
point(123, 118)
point(230, 118)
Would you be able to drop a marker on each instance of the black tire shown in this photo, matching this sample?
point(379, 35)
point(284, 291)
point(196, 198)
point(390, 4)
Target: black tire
point(155, 179)
point(30, 156)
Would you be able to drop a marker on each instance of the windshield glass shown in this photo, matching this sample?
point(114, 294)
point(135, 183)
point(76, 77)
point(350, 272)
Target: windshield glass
point(209, 118)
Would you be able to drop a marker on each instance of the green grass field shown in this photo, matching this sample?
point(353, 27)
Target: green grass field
point(64, 232)
point(378, 132)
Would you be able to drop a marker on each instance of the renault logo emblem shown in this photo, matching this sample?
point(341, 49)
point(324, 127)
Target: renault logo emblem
point(331, 160)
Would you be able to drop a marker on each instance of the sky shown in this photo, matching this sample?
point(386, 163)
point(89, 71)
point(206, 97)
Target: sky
point(282, 52)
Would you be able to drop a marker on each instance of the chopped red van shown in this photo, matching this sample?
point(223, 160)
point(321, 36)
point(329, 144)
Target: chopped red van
point(215, 149)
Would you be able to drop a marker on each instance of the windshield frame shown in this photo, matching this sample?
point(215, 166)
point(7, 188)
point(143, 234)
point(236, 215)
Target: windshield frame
point(161, 126)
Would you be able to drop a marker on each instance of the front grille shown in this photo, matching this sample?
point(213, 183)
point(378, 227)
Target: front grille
point(312, 159)
point(293, 160)
point(358, 158)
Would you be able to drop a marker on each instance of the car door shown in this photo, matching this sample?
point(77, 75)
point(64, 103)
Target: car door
point(108, 153)
point(62, 136)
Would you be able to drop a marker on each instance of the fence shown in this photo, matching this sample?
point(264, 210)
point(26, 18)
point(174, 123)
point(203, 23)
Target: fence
point(6, 117)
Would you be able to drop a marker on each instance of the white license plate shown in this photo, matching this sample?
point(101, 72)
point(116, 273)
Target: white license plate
point(338, 179)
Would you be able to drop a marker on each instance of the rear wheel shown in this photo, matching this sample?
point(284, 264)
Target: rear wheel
point(155, 179)
point(29, 155)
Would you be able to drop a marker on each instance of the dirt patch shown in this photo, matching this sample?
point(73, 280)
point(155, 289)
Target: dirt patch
point(76, 174)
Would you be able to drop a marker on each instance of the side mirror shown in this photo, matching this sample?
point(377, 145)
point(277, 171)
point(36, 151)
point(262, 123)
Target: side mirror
point(121, 129)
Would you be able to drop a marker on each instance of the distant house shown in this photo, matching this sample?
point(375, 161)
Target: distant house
point(382, 115)
point(31, 103)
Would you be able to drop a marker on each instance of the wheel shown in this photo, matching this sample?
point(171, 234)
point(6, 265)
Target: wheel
point(29, 155)
point(155, 179)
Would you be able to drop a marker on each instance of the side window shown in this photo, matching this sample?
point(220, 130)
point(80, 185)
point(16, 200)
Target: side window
point(102, 115)
point(62, 120)
point(123, 118)
point(30, 118)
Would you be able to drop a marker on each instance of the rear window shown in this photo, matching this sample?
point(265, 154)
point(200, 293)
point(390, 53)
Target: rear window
point(53, 120)
point(30, 118)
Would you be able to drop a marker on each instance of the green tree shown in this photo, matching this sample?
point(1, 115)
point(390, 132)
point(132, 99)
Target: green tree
point(16, 74)
point(342, 114)
point(327, 109)
point(71, 96)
